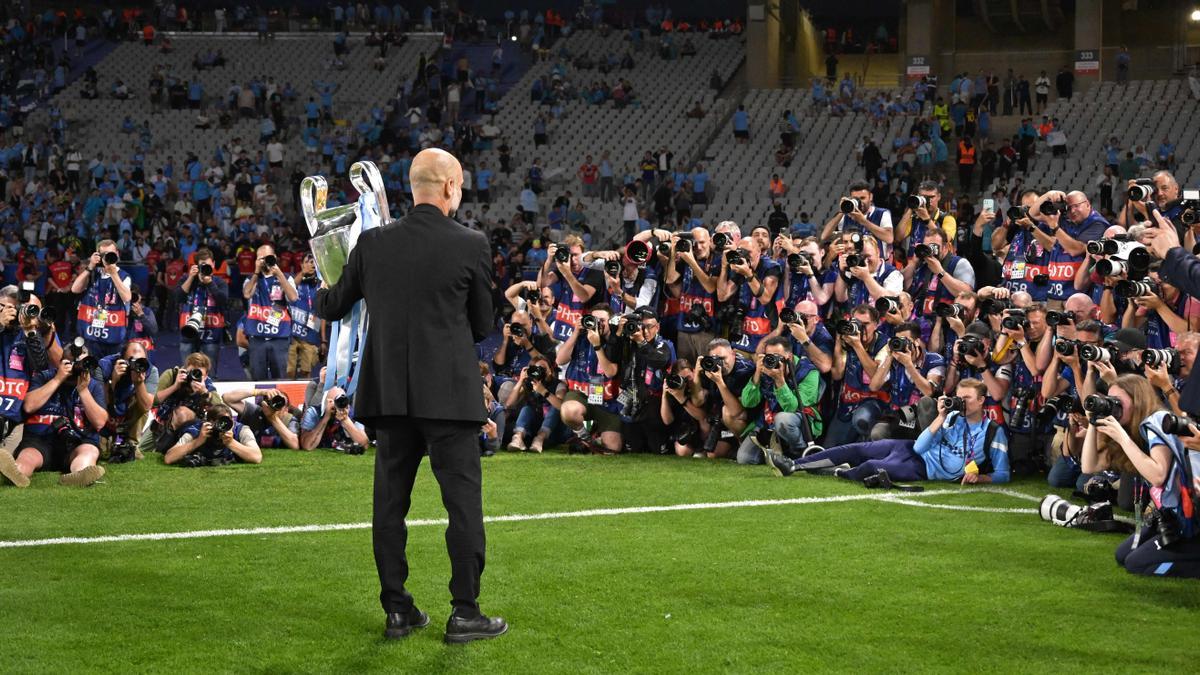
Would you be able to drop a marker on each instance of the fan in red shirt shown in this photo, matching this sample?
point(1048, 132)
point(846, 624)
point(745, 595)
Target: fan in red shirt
point(59, 299)
point(588, 174)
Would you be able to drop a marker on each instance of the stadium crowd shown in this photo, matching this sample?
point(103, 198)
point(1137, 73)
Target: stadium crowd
point(895, 342)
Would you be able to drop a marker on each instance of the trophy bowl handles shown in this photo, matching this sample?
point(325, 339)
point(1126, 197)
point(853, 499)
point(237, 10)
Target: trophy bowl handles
point(365, 178)
point(314, 192)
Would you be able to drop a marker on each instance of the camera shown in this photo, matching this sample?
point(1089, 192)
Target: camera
point(696, 314)
point(1020, 409)
point(849, 205)
point(270, 261)
point(1142, 190)
point(1015, 319)
point(1104, 247)
point(856, 240)
point(612, 268)
point(990, 306)
point(1066, 347)
point(1099, 406)
point(788, 315)
point(1093, 353)
point(900, 344)
point(589, 322)
point(1052, 208)
point(195, 375)
point(1153, 358)
point(673, 382)
point(710, 364)
point(772, 361)
point(721, 240)
point(946, 311)
point(683, 246)
point(638, 252)
point(139, 365)
point(1135, 289)
point(529, 295)
point(1059, 318)
point(633, 323)
point(1041, 279)
point(924, 251)
point(1018, 212)
point(1056, 406)
point(193, 327)
point(854, 260)
point(887, 305)
point(134, 296)
point(969, 345)
point(536, 373)
point(31, 312)
point(341, 402)
point(220, 422)
point(915, 202)
point(110, 258)
point(562, 255)
point(206, 270)
point(663, 249)
point(849, 327)
point(735, 257)
point(65, 431)
point(797, 261)
point(517, 330)
point(1176, 425)
point(276, 402)
point(1129, 258)
point(954, 404)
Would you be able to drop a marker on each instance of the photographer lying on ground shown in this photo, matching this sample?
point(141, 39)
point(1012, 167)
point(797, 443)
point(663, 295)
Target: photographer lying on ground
point(267, 413)
point(184, 393)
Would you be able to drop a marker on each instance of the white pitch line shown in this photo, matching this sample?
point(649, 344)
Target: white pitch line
point(519, 517)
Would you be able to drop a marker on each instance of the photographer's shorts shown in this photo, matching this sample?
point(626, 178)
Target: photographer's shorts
point(54, 457)
point(602, 419)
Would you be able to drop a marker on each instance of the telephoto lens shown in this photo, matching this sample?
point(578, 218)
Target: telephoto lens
point(899, 344)
point(31, 312)
point(277, 402)
point(638, 252)
point(788, 315)
point(536, 373)
point(683, 246)
point(270, 261)
point(110, 258)
point(772, 361)
point(516, 330)
point(924, 251)
point(1098, 405)
point(710, 363)
point(612, 268)
point(856, 260)
point(721, 240)
point(1018, 212)
point(1135, 289)
point(946, 311)
point(1176, 425)
point(915, 202)
point(850, 205)
point(562, 255)
point(191, 328)
point(673, 382)
point(735, 257)
point(989, 306)
point(588, 322)
point(1142, 191)
point(1153, 358)
point(341, 402)
point(1051, 208)
point(195, 375)
point(1066, 347)
point(851, 327)
point(664, 249)
point(1110, 267)
point(797, 261)
point(1055, 406)
point(1094, 353)
point(887, 305)
point(206, 270)
point(139, 365)
point(1015, 319)
point(1103, 247)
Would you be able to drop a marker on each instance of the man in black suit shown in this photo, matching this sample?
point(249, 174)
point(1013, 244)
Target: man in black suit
point(427, 283)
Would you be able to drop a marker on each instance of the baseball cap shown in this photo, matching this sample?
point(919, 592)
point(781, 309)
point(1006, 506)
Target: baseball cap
point(980, 329)
point(1128, 339)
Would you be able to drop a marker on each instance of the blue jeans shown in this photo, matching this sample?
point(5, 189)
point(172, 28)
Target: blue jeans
point(1066, 474)
point(787, 430)
point(551, 424)
point(268, 358)
point(210, 349)
point(850, 426)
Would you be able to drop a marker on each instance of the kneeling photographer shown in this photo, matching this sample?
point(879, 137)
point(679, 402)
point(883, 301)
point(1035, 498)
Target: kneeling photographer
point(536, 399)
point(332, 425)
point(913, 376)
point(1164, 488)
point(780, 402)
point(592, 360)
point(64, 412)
point(215, 439)
point(130, 380)
point(267, 413)
point(1114, 431)
point(183, 395)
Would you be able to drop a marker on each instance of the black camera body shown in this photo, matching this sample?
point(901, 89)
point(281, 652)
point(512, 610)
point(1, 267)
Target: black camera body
point(788, 315)
point(797, 261)
point(612, 268)
point(735, 257)
point(194, 375)
point(969, 345)
point(517, 330)
point(1135, 289)
point(899, 344)
point(849, 327)
point(270, 261)
point(536, 373)
point(949, 310)
point(673, 382)
point(1056, 406)
point(989, 306)
point(1052, 208)
point(954, 404)
point(1176, 425)
point(1054, 318)
point(683, 246)
point(1066, 347)
point(206, 269)
point(277, 402)
point(772, 361)
point(1017, 212)
point(710, 363)
point(110, 258)
point(341, 402)
point(220, 422)
point(1015, 319)
point(66, 432)
point(924, 251)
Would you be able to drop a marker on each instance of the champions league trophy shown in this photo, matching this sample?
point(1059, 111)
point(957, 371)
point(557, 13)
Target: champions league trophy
point(334, 234)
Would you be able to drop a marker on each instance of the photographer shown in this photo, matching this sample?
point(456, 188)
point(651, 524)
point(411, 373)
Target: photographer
point(143, 324)
point(722, 376)
point(1067, 241)
point(308, 331)
point(183, 395)
point(574, 285)
point(923, 211)
point(103, 314)
point(332, 425)
point(645, 364)
point(960, 445)
point(912, 376)
point(1021, 335)
point(630, 278)
point(694, 283)
point(526, 296)
point(972, 359)
point(268, 324)
point(1157, 310)
point(856, 358)
point(215, 440)
point(64, 411)
point(806, 279)
point(536, 398)
point(591, 360)
point(857, 213)
point(809, 337)
point(1115, 442)
point(130, 380)
point(1182, 269)
point(748, 288)
point(267, 413)
point(864, 277)
point(518, 345)
point(934, 275)
point(202, 299)
point(1026, 258)
point(681, 410)
point(1169, 369)
point(780, 397)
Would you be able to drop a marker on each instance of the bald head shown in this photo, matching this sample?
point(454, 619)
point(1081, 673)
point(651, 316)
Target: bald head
point(436, 178)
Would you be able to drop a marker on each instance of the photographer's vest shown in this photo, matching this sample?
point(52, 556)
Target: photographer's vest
point(305, 325)
point(1063, 266)
point(692, 293)
point(1026, 260)
point(927, 289)
point(859, 294)
point(267, 315)
point(102, 315)
point(137, 331)
point(652, 378)
point(769, 406)
point(1178, 492)
point(918, 227)
point(224, 454)
point(1024, 381)
point(798, 288)
point(14, 383)
point(200, 299)
point(904, 390)
point(118, 404)
point(64, 402)
point(569, 308)
point(856, 384)
point(583, 375)
point(760, 317)
point(631, 287)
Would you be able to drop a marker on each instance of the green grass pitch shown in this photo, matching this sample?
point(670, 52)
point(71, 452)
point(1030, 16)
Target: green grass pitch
point(864, 585)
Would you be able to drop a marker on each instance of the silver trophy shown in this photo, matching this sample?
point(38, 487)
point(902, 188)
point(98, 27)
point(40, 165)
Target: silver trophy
point(335, 231)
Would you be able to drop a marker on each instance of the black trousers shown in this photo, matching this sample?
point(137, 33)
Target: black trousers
point(453, 449)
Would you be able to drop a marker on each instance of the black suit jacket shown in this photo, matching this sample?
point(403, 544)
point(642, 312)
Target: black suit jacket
point(427, 283)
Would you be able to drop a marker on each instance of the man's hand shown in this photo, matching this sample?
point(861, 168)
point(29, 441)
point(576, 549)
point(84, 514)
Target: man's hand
point(903, 357)
point(206, 430)
point(227, 438)
point(1159, 377)
point(1163, 238)
point(199, 388)
point(1106, 371)
point(743, 269)
point(921, 213)
point(934, 265)
point(120, 368)
point(65, 367)
point(593, 337)
point(986, 216)
point(93, 261)
point(1109, 426)
point(489, 428)
point(859, 273)
point(799, 332)
point(1151, 301)
point(194, 272)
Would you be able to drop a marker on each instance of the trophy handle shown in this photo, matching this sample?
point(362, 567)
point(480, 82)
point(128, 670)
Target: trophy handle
point(365, 178)
point(313, 193)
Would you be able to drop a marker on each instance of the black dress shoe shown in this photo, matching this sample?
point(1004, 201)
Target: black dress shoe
point(460, 630)
point(400, 624)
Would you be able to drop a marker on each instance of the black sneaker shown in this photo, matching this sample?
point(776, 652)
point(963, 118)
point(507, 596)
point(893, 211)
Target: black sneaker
point(461, 631)
point(400, 625)
point(781, 465)
point(880, 480)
